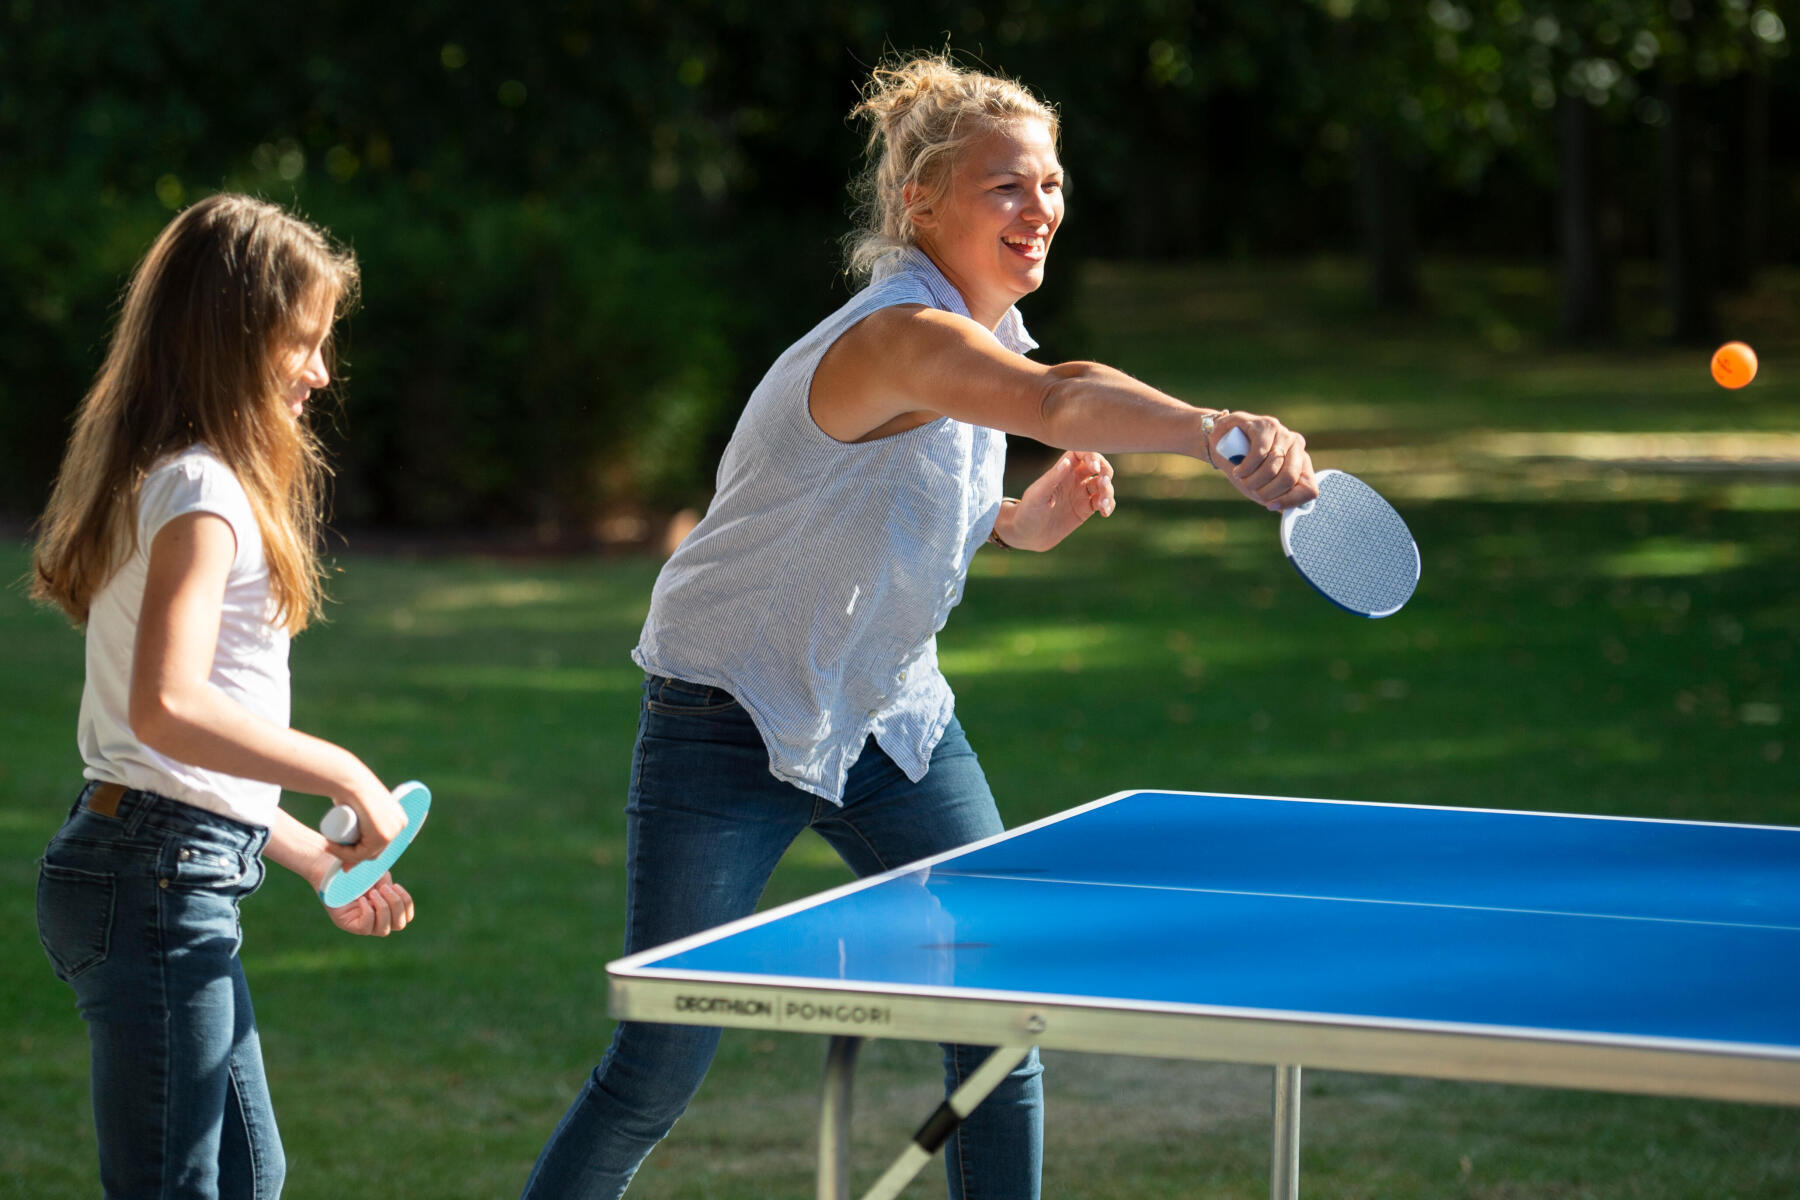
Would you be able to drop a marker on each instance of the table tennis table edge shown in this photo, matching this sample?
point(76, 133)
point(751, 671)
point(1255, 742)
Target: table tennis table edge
point(1472, 1053)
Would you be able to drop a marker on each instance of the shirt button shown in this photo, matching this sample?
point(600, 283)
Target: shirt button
point(871, 714)
point(903, 677)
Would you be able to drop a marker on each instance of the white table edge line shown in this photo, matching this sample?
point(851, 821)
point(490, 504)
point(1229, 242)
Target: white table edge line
point(1462, 808)
point(1493, 908)
point(719, 932)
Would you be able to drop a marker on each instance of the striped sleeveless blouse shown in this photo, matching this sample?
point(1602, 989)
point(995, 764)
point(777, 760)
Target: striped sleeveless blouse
point(814, 587)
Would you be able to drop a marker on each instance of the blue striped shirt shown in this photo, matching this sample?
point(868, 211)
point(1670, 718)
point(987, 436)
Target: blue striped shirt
point(814, 587)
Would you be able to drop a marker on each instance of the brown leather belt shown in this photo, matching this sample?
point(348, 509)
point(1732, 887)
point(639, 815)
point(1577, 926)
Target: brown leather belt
point(105, 799)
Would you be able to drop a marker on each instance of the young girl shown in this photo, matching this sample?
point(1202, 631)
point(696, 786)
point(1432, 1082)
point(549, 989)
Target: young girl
point(182, 534)
point(790, 651)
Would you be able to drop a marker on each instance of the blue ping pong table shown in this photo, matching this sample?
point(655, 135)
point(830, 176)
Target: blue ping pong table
point(1606, 953)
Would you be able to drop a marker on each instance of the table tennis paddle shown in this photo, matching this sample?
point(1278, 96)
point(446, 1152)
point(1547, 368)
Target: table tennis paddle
point(344, 884)
point(1349, 543)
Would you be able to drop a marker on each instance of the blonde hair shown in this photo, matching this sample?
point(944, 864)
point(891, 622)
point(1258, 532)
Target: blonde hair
point(922, 113)
point(226, 294)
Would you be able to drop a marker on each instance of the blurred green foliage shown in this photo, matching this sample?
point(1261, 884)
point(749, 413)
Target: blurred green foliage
point(588, 225)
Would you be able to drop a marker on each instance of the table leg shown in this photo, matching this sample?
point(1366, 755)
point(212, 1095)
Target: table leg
point(1284, 1164)
point(834, 1118)
point(941, 1124)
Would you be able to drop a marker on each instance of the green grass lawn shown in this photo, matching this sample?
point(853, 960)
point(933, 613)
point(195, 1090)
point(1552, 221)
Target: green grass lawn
point(1607, 623)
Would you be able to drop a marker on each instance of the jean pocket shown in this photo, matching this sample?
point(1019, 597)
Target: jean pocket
point(678, 698)
point(188, 863)
point(75, 916)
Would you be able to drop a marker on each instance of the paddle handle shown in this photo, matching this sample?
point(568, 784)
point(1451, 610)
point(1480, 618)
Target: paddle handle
point(341, 826)
point(1234, 445)
point(344, 884)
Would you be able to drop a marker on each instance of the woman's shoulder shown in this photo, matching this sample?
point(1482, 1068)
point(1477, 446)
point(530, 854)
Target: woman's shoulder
point(804, 352)
point(909, 277)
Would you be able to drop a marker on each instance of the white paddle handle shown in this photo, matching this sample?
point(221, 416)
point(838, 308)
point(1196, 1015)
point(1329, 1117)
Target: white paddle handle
point(340, 826)
point(1234, 445)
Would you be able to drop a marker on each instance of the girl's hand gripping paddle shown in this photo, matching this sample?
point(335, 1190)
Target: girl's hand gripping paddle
point(1348, 543)
point(342, 885)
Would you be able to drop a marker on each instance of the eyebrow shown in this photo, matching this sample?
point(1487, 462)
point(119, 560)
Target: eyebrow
point(1016, 170)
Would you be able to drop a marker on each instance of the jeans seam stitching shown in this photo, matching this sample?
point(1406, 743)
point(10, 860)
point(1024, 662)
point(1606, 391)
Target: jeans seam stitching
point(162, 998)
point(252, 1143)
point(962, 1148)
point(664, 709)
point(881, 862)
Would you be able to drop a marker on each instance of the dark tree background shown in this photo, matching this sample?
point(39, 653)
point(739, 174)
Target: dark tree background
point(586, 227)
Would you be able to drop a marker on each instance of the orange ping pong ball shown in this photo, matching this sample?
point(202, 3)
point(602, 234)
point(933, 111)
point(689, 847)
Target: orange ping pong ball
point(1734, 364)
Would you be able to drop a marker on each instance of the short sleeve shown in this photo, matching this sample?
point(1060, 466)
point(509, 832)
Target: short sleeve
point(192, 482)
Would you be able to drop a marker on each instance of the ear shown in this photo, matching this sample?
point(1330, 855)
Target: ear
point(921, 218)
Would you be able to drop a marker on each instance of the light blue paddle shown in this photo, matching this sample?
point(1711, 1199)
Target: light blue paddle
point(1349, 543)
point(343, 884)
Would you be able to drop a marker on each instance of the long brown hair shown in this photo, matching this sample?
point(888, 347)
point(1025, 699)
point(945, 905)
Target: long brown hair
point(922, 112)
point(228, 291)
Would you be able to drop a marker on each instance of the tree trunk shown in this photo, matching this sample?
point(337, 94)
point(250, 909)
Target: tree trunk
point(1687, 277)
point(1744, 180)
point(1588, 308)
point(1387, 223)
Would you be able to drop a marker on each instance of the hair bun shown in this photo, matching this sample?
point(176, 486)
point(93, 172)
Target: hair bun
point(895, 89)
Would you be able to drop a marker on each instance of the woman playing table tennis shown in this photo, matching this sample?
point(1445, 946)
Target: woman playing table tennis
point(792, 675)
point(182, 533)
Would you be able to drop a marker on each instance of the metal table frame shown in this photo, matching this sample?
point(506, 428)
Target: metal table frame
point(848, 1014)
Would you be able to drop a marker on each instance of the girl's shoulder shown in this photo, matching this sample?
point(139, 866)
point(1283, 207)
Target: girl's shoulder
point(191, 480)
point(197, 462)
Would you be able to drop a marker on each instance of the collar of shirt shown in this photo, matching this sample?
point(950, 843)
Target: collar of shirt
point(914, 261)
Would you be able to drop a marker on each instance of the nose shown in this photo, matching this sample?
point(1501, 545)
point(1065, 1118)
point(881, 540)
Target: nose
point(314, 374)
point(1040, 209)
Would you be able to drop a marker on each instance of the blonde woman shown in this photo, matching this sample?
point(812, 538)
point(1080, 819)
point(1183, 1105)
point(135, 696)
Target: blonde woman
point(181, 533)
point(790, 654)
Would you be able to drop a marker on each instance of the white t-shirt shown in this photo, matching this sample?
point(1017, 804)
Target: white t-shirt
point(250, 664)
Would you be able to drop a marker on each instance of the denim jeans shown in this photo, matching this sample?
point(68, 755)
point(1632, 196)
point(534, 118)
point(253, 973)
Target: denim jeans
point(138, 912)
point(706, 824)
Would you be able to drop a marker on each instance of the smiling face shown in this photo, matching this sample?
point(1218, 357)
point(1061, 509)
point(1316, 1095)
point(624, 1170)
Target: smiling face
point(303, 366)
point(991, 229)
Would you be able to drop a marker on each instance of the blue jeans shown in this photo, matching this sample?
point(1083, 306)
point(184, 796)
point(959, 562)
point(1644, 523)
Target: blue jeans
point(706, 824)
point(138, 911)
